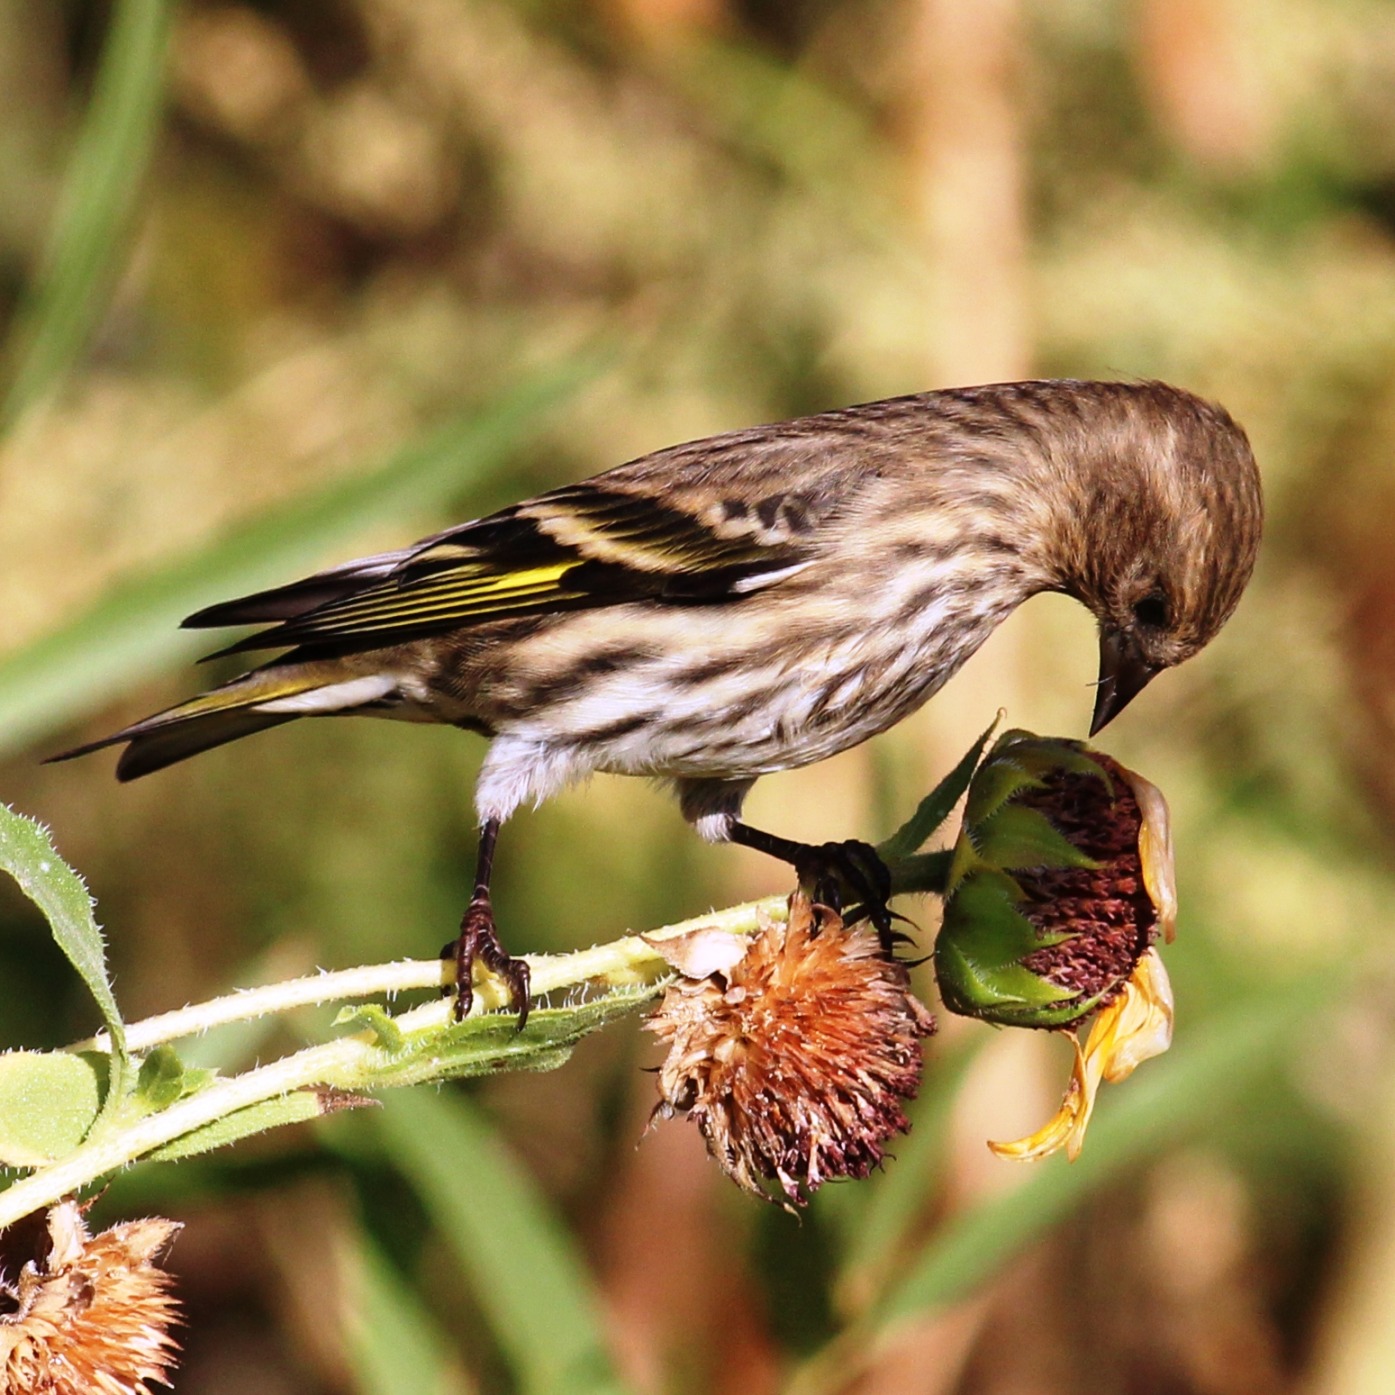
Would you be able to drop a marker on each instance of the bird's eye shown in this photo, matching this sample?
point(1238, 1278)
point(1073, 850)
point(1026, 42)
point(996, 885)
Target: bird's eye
point(1152, 612)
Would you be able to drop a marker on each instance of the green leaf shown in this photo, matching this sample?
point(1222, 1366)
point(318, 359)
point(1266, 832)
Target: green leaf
point(492, 1042)
point(94, 210)
point(395, 1345)
point(979, 953)
point(525, 1270)
point(1044, 754)
point(1021, 760)
point(936, 807)
point(373, 1017)
point(48, 1102)
point(997, 780)
point(134, 631)
point(164, 1080)
point(28, 855)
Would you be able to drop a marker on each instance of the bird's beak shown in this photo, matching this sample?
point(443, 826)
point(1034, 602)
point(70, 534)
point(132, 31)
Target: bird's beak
point(1124, 673)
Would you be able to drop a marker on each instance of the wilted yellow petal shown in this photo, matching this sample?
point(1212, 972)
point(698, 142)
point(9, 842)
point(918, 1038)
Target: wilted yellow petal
point(1155, 851)
point(1067, 1127)
point(1135, 1026)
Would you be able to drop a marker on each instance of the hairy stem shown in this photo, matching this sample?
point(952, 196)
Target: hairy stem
point(418, 1045)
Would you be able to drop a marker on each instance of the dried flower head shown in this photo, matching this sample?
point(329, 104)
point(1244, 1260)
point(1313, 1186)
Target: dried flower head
point(794, 1051)
point(1062, 881)
point(90, 1315)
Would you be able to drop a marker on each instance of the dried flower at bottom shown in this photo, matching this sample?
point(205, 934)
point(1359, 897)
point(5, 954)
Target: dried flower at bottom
point(795, 1052)
point(91, 1314)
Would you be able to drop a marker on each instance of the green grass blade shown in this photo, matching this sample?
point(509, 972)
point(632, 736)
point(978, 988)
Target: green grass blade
point(28, 855)
point(1166, 1101)
point(134, 632)
point(525, 1272)
point(94, 209)
point(877, 1233)
point(394, 1344)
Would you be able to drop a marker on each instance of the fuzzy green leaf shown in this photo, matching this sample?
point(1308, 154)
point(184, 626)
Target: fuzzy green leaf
point(1043, 754)
point(492, 1043)
point(372, 1017)
point(164, 1080)
point(48, 1102)
point(28, 855)
point(1010, 996)
point(997, 780)
point(1021, 760)
point(979, 953)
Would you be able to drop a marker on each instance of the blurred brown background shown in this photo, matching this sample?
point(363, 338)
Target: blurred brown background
point(363, 216)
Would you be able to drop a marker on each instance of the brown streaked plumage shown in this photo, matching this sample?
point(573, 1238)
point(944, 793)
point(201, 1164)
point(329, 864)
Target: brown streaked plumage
point(760, 600)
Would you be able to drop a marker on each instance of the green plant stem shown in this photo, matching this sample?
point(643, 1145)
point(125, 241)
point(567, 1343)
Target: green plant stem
point(364, 1060)
point(420, 1044)
point(632, 959)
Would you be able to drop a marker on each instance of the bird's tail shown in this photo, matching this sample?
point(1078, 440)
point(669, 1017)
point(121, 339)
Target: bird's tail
point(263, 698)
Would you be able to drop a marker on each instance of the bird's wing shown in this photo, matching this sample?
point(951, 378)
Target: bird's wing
point(581, 546)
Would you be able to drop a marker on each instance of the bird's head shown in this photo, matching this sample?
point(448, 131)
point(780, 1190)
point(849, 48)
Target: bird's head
point(1167, 525)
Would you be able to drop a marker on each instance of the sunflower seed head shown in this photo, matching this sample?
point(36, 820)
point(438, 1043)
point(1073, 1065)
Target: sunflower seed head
point(1050, 905)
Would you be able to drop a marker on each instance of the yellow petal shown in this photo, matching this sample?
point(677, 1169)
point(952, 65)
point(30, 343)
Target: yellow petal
point(1067, 1127)
point(1135, 1026)
point(1155, 851)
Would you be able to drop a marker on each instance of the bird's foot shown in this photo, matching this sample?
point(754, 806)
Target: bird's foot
point(479, 940)
point(851, 874)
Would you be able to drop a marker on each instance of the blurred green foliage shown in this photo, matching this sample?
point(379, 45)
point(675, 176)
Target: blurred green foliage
point(248, 252)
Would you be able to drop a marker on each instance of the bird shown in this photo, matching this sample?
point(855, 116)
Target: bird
point(755, 601)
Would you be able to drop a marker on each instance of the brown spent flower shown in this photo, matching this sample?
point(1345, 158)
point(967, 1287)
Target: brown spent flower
point(794, 1052)
point(1104, 915)
point(92, 1316)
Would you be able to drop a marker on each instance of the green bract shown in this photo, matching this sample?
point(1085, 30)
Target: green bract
point(989, 954)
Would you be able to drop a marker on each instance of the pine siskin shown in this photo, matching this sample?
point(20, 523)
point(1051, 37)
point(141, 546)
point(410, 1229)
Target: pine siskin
point(741, 605)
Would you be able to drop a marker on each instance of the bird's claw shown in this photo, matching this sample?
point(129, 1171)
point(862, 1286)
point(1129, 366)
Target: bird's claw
point(852, 875)
point(479, 940)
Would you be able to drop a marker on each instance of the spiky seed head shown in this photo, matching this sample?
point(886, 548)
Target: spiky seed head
point(795, 1055)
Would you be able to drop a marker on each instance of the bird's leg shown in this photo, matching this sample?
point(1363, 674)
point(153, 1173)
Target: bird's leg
point(835, 874)
point(478, 939)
